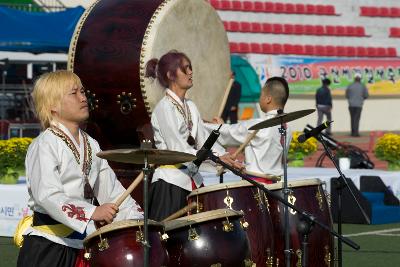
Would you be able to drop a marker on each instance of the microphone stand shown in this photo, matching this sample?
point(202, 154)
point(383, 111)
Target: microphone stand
point(308, 217)
point(341, 184)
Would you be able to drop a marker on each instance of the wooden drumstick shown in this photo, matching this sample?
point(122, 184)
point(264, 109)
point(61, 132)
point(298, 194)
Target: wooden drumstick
point(129, 190)
point(181, 212)
point(223, 103)
point(240, 149)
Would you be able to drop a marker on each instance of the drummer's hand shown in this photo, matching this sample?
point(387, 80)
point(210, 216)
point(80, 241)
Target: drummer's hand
point(105, 212)
point(218, 120)
point(229, 159)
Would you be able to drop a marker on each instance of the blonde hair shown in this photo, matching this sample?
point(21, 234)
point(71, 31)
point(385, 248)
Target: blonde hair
point(49, 90)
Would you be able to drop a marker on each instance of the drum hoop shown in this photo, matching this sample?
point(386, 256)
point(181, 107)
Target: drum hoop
point(294, 184)
point(75, 36)
point(147, 40)
point(118, 226)
point(201, 217)
point(218, 187)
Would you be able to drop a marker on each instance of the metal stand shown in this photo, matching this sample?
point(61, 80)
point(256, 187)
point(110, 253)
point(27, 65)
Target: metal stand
point(146, 172)
point(342, 184)
point(304, 227)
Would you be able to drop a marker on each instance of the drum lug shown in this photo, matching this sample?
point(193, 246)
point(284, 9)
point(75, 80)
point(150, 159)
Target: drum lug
point(126, 102)
point(298, 253)
point(319, 198)
point(270, 259)
point(292, 200)
point(244, 224)
point(164, 236)
point(87, 255)
point(103, 244)
point(192, 234)
point(327, 257)
point(228, 200)
point(258, 198)
point(139, 236)
point(227, 226)
point(249, 263)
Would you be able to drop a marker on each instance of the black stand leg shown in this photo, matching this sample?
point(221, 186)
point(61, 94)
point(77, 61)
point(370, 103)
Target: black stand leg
point(304, 227)
point(339, 187)
point(221, 178)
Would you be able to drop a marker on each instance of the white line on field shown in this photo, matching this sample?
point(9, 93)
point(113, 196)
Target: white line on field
point(374, 232)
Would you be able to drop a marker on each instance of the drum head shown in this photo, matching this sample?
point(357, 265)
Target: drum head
point(194, 28)
point(293, 184)
point(217, 187)
point(201, 217)
point(118, 226)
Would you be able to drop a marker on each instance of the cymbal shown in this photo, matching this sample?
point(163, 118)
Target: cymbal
point(282, 118)
point(154, 156)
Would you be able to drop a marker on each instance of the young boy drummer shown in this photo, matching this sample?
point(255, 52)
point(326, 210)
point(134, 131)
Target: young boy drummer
point(263, 155)
point(65, 178)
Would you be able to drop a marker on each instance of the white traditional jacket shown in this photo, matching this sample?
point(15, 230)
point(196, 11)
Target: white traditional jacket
point(264, 152)
point(170, 120)
point(56, 182)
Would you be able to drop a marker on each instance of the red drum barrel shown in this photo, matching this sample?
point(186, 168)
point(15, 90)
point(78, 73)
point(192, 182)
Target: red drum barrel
point(309, 196)
point(113, 42)
point(119, 245)
point(212, 238)
point(245, 197)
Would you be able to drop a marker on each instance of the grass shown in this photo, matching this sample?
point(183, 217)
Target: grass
point(376, 250)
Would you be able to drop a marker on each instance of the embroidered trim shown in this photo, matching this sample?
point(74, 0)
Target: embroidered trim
point(73, 210)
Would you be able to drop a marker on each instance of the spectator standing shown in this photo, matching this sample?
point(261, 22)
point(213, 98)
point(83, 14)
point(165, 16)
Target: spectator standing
point(323, 100)
point(356, 93)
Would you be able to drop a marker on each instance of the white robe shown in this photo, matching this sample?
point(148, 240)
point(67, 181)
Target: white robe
point(55, 182)
point(264, 152)
point(171, 133)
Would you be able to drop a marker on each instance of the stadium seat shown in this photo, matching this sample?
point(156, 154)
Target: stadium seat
point(288, 28)
point(256, 27)
point(298, 50)
point(394, 32)
point(341, 51)
point(372, 52)
point(365, 11)
point(308, 50)
point(381, 52)
point(225, 5)
point(319, 30)
point(360, 31)
point(259, 6)
point(298, 29)
point(350, 31)
point(237, 5)
point(330, 30)
point(320, 9)
point(248, 6)
point(269, 7)
point(319, 50)
point(309, 29)
point(288, 49)
point(279, 8)
point(245, 26)
point(266, 48)
point(277, 28)
point(340, 31)
point(361, 51)
point(384, 12)
point(300, 9)
point(234, 26)
point(267, 28)
point(255, 48)
point(215, 4)
point(330, 10)
point(226, 25)
point(395, 12)
point(290, 8)
point(244, 48)
point(276, 49)
point(391, 52)
point(330, 50)
point(234, 47)
point(310, 9)
point(374, 11)
point(351, 51)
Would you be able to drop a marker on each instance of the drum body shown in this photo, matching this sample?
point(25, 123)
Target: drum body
point(247, 198)
point(110, 48)
point(119, 245)
point(309, 196)
point(213, 238)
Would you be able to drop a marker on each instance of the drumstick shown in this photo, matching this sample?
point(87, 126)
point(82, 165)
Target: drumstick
point(262, 175)
point(181, 212)
point(129, 190)
point(227, 90)
point(240, 149)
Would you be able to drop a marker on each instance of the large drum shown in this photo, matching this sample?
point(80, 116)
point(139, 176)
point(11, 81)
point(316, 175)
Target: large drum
point(245, 197)
point(113, 42)
point(212, 238)
point(309, 196)
point(120, 245)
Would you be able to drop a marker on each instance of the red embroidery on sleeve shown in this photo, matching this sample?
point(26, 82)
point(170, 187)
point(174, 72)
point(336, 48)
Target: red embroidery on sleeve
point(74, 210)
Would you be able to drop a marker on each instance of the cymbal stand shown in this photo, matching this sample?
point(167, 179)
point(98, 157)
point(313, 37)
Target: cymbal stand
point(146, 171)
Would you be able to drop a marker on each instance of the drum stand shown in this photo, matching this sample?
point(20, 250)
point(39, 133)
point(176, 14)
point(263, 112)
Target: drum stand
point(341, 184)
point(146, 172)
point(307, 217)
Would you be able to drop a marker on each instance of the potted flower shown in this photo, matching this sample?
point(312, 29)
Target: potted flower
point(387, 148)
point(12, 159)
point(298, 151)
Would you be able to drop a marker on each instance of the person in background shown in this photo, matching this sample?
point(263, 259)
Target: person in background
point(232, 103)
point(356, 93)
point(323, 99)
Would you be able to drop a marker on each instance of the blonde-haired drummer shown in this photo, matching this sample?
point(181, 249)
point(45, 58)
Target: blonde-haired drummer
point(177, 126)
point(65, 178)
point(264, 153)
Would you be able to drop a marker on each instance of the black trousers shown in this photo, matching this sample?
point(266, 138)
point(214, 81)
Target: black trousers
point(37, 251)
point(355, 115)
point(165, 199)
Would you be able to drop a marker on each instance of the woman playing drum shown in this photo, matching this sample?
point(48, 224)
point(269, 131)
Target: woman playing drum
point(177, 126)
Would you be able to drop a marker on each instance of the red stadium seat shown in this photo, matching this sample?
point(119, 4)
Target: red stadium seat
point(288, 28)
point(225, 5)
point(360, 31)
point(277, 28)
point(288, 49)
point(234, 47)
point(226, 25)
point(384, 12)
point(320, 9)
point(237, 5)
point(372, 52)
point(391, 52)
point(361, 51)
point(267, 28)
point(300, 9)
point(298, 29)
point(215, 4)
point(330, 10)
point(394, 32)
point(365, 11)
point(374, 11)
point(248, 6)
point(308, 50)
point(330, 30)
point(381, 52)
point(244, 48)
point(395, 12)
point(309, 29)
point(279, 8)
point(350, 31)
point(256, 27)
point(310, 9)
point(276, 49)
point(298, 50)
point(245, 26)
point(266, 48)
point(319, 30)
point(234, 26)
point(319, 50)
point(340, 30)
point(290, 8)
point(269, 7)
point(330, 50)
point(255, 48)
point(341, 51)
point(259, 6)
point(351, 51)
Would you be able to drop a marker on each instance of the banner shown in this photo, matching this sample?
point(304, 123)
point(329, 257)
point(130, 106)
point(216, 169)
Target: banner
point(304, 74)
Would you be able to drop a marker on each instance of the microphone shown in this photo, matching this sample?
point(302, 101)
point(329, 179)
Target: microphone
point(314, 132)
point(202, 154)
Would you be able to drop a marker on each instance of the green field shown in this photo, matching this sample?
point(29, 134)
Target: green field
point(377, 249)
